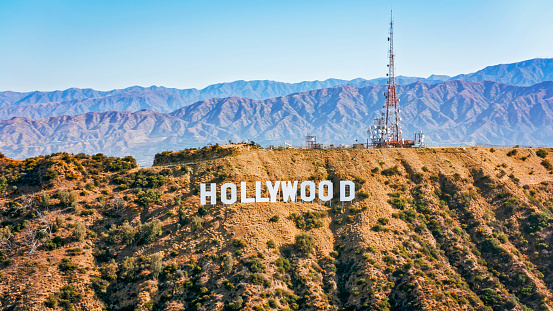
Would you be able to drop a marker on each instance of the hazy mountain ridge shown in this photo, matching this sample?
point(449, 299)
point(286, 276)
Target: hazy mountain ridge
point(75, 101)
point(453, 112)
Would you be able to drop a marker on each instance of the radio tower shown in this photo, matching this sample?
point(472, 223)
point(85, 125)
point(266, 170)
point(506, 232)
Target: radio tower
point(386, 131)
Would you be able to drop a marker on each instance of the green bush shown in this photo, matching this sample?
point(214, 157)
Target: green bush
point(66, 265)
point(271, 243)
point(146, 198)
point(512, 153)
point(398, 203)
point(156, 264)
point(390, 171)
point(490, 297)
point(255, 265)
point(282, 264)
point(541, 153)
point(536, 222)
point(239, 243)
point(228, 263)
point(79, 232)
point(307, 221)
point(197, 223)
point(275, 218)
point(150, 231)
point(304, 243)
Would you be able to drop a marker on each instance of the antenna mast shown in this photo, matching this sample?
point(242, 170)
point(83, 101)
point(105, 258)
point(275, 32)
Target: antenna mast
point(386, 131)
point(392, 102)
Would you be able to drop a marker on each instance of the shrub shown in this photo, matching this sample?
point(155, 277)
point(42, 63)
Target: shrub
point(127, 269)
point(239, 243)
point(197, 223)
point(150, 231)
point(223, 175)
point(547, 164)
point(80, 231)
point(398, 203)
point(536, 222)
point(512, 153)
point(202, 210)
point(255, 265)
point(308, 221)
point(490, 245)
point(237, 304)
point(43, 199)
point(390, 171)
point(490, 297)
point(67, 199)
point(541, 153)
point(383, 221)
point(124, 234)
point(304, 243)
point(108, 271)
point(282, 264)
point(510, 205)
point(275, 218)
point(271, 243)
point(227, 264)
point(66, 265)
point(146, 198)
point(156, 264)
point(259, 279)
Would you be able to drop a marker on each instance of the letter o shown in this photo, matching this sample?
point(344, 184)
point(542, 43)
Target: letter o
point(303, 187)
point(233, 194)
point(328, 197)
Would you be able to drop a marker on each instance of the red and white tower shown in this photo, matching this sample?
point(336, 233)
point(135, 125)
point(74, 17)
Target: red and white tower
point(386, 130)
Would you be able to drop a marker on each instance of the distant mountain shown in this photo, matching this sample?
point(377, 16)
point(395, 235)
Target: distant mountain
point(453, 112)
point(524, 73)
point(75, 101)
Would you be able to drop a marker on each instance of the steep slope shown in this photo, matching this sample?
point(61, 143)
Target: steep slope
point(454, 112)
point(430, 229)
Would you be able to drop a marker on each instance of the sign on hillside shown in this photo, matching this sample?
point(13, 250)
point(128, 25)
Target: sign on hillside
point(287, 190)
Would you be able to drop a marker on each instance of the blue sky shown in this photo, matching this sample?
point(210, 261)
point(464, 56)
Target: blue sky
point(107, 44)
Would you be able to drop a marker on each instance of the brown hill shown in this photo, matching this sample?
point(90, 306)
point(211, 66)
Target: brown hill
point(430, 229)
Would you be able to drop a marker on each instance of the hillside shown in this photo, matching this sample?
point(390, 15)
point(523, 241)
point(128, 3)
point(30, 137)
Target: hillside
point(430, 229)
point(454, 112)
point(75, 101)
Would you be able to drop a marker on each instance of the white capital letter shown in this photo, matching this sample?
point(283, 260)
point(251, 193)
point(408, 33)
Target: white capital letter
point(289, 191)
point(311, 186)
point(258, 197)
point(273, 190)
point(347, 194)
point(244, 196)
point(212, 193)
point(330, 194)
point(224, 197)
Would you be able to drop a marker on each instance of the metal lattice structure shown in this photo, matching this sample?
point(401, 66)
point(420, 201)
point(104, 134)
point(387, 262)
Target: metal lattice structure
point(386, 129)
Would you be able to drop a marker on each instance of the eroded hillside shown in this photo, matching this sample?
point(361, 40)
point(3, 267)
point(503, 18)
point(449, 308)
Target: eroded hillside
point(430, 229)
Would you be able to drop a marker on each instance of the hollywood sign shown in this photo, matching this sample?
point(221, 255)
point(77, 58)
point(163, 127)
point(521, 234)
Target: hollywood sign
point(287, 190)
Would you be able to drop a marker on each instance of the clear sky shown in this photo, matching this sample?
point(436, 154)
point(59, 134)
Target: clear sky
point(108, 44)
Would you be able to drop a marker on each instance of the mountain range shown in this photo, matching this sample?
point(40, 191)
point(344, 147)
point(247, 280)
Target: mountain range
point(76, 101)
point(454, 112)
